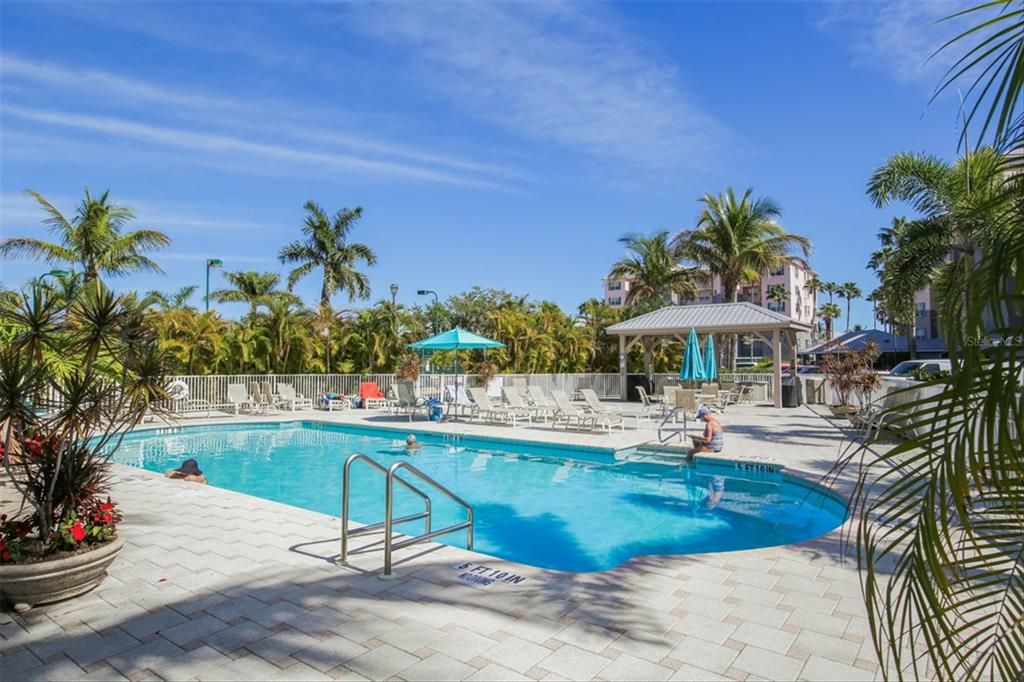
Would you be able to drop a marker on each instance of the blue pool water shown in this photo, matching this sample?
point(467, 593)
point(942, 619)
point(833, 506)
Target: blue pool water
point(573, 509)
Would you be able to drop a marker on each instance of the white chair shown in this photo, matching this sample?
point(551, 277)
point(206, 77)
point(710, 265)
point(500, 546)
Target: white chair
point(239, 398)
point(292, 399)
point(570, 414)
point(459, 404)
point(514, 400)
point(603, 412)
point(490, 411)
point(259, 403)
point(539, 402)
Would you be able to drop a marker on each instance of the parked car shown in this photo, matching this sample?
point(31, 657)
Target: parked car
point(907, 368)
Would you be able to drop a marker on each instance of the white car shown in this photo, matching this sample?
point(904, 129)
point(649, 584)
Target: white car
point(907, 367)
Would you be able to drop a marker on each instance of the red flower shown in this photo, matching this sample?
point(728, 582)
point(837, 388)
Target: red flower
point(77, 531)
point(106, 506)
point(5, 556)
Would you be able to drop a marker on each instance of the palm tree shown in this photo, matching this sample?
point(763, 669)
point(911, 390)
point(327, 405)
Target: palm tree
point(326, 246)
point(829, 312)
point(596, 316)
point(778, 293)
point(849, 291)
point(830, 288)
point(813, 285)
point(739, 240)
point(93, 240)
point(248, 286)
point(652, 267)
point(171, 300)
point(945, 499)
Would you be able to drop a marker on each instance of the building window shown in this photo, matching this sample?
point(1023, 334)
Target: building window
point(920, 332)
point(777, 272)
point(614, 286)
point(614, 300)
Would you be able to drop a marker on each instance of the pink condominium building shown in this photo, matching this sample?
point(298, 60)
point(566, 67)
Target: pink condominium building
point(799, 304)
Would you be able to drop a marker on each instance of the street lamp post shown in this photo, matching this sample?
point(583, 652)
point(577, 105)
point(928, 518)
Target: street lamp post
point(54, 273)
point(394, 293)
point(433, 316)
point(211, 263)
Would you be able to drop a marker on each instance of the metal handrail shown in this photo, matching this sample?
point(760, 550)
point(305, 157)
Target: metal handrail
point(671, 414)
point(389, 546)
point(388, 522)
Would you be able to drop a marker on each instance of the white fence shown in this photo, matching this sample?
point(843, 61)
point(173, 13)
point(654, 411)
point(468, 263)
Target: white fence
point(214, 388)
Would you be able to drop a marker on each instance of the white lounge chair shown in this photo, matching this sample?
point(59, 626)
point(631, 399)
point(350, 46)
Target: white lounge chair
point(569, 414)
point(239, 399)
point(259, 403)
point(604, 413)
point(459, 404)
point(539, 402)
point(271, 401)
point(291, 399)
point(515, 403)
point(491, 411)
point(408, 401)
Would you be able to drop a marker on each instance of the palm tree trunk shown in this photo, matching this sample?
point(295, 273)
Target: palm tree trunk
point(849, 300)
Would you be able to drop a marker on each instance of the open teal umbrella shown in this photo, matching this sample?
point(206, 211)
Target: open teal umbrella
point(710, 361)
point(456, 339)
point(693, 364)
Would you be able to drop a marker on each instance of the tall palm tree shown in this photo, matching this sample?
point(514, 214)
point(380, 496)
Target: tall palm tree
point(170, 300)
point(829, 312)
point(326, 246)
point(652, 267)
point(830, 288)
point(849, 291)
point(248, 286)
point(813, 285)
point(93, 239)
point(739, 239)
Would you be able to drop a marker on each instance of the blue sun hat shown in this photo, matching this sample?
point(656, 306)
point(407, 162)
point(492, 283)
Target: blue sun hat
point(703, 410)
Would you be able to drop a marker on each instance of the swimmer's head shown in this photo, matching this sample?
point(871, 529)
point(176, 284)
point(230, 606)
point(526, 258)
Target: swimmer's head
point(410, 439)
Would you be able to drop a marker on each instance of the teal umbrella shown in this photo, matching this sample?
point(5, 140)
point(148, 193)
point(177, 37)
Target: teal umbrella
point(455, 339)
point(693, 364)
point(710, 362)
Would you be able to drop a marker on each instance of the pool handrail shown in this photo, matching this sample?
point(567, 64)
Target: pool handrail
point(389, 522)
point(346, 533)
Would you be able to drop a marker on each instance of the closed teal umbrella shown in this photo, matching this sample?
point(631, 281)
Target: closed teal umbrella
point(710, 361)
point(693, 364)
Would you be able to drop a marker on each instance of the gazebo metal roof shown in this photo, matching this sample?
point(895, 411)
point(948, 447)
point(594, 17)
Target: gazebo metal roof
point(710, 318)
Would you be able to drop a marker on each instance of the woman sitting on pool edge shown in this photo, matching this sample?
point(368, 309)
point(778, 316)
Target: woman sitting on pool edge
point(713, 438)
point(188, 471)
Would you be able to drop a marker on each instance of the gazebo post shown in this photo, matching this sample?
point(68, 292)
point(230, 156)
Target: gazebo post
point(777, 366)
point(623, 391)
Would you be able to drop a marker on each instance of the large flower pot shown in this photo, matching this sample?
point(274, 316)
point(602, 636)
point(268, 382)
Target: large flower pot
point(25, 585)
point(843, 411)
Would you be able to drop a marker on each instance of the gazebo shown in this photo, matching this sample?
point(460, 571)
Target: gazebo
point(672, 323)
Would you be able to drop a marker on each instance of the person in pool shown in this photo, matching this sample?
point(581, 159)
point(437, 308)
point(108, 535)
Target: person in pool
point(411, 445)
point(716, 488)
point(713, 438)
point(188, 471)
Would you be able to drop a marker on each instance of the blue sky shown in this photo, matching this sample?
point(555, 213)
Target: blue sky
point(502, 145)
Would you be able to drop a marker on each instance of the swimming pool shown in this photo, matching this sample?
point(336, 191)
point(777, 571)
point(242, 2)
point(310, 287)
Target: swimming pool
point(565, 508)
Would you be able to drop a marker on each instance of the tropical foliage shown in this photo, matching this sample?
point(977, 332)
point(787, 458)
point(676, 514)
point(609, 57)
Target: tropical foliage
point(652, 266)
point(940, 513)
point(93, 240)
point(326, 246)
point(73, 377)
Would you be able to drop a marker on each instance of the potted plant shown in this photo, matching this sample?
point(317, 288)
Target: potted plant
point(409, 368)
point(76, 376)
point(840, 373)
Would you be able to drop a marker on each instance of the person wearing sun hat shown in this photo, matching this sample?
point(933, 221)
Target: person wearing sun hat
point(188, 471)
point(713, 438)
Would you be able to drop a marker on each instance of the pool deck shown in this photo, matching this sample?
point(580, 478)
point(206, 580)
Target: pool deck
point(217, 585)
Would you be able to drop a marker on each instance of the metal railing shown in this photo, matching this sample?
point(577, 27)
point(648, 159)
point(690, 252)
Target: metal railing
point(346, 533)
point(389, 522)
point(675, 431)
point(759, 378)
point(389, 499)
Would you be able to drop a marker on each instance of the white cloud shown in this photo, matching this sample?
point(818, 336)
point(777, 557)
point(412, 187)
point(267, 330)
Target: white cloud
point(553, 72)
point(93, 80)
point(206, 106)
point(902, 37)
point(215, 143)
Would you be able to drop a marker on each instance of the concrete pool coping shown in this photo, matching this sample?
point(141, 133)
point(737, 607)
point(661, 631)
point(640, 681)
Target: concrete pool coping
point(786, 612)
